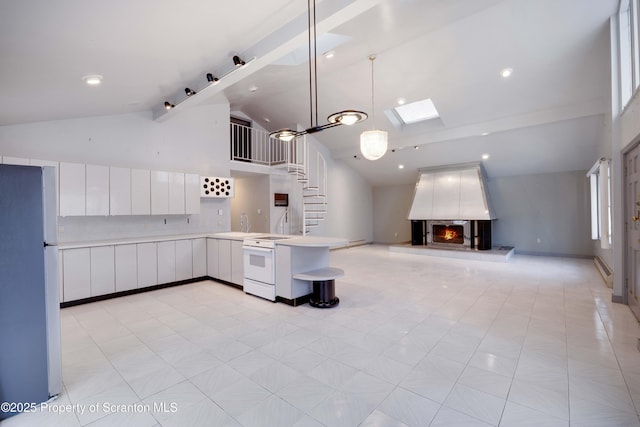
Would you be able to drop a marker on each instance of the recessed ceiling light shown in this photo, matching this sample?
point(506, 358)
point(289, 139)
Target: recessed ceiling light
point(506, 72)
point(267, 119)
point(400, 166)
point(92, 79)
point(484, 134)
point(416, 147)
point(401, 101)
point(330, 54)
point(253, 89)
point(485, 156)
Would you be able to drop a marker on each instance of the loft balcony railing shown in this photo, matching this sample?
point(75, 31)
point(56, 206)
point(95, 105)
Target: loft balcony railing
point(255, 146)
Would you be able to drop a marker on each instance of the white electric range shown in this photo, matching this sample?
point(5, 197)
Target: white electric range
point(260, 265)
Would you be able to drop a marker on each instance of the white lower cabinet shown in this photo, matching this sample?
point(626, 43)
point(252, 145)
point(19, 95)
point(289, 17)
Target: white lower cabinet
point(76, 264)
point(166, 262)
point(126, 266)
point(147, 264)
point(102, 271)
point(184, 260)
point(224, 260)
point(212, 258)
point(199, 248)
point(237, 270)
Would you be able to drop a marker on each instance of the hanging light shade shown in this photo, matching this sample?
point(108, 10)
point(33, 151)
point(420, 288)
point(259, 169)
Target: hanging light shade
point(373, 143)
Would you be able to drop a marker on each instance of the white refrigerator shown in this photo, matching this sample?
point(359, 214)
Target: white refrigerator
point(30, 360)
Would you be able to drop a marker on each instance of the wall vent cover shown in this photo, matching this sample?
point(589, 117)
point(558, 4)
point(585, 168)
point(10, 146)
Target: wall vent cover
point(216, 187)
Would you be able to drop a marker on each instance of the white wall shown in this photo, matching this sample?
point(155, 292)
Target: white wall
point(543, 214)
point(195, 141)
point(391, 205)
point(349, 199)
point(251, 198)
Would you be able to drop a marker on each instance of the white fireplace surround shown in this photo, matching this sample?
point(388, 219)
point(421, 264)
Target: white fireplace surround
point(454, 192)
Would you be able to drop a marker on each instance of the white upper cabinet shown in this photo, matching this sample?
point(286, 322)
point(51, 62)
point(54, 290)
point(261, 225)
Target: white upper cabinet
point(192, 193)
point(140, 192)
point(176, 193)
point(159, 193)
point(119, 191)
point(97, 190)
point(55, 165)
point(15, 161)
point(72, 189)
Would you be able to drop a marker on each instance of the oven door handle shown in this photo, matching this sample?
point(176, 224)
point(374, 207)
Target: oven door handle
point(257, 249)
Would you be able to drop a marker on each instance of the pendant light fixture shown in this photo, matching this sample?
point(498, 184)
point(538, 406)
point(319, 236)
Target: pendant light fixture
point(373, 143)
point(346, 117)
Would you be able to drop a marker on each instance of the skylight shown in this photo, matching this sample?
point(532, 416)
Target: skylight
point(417, 111)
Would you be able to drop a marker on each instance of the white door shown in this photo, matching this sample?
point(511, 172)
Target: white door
point(632, 217)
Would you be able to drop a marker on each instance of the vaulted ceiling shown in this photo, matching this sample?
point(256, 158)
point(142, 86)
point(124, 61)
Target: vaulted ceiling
point(549, 116)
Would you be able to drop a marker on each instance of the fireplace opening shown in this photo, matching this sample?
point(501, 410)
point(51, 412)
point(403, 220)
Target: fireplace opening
point(453, 234)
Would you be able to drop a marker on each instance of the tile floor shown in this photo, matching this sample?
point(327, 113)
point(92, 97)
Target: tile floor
point(415, 341)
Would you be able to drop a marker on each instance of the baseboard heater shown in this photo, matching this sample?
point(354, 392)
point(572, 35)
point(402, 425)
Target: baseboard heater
point(605, 271)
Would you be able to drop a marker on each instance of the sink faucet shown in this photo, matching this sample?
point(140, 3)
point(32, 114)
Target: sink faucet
point(244, 222)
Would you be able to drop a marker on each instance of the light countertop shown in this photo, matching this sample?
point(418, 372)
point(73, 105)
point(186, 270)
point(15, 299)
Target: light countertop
point(309, 241)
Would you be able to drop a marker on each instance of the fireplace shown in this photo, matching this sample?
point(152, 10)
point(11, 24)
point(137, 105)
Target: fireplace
point(475, 234)
point(449, 233)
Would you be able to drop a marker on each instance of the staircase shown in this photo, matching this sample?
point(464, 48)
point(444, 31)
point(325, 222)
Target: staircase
point(314, 183)
point(255, 146)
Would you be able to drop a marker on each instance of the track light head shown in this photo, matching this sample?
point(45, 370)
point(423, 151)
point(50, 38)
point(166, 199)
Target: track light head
point(211, 78)
point(237, 61)
point(168, 105)
point(189, 92)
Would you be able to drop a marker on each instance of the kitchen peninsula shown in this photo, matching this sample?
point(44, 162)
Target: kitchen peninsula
point(95, 270)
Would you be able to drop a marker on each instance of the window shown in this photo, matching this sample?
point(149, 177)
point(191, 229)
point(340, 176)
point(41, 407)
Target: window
point(417, 111)
point(629, 43)
point(600, 179)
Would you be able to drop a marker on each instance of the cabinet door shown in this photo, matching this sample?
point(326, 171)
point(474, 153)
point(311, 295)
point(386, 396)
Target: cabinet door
point(237, 270)
point(119, 191)
point(199, 247)
point(159, 193)
point(72, 191)
point(102, 271)
point(15, 161)
point(224, 260)
point(166, 262)
point(176, 193)
point(212, 258)
point(140, 192)
point(97, 190)
point(126, 267)
point(184, 260)
point(192, 193)
point(55, 165)
point(147, 264)
point(76, 264)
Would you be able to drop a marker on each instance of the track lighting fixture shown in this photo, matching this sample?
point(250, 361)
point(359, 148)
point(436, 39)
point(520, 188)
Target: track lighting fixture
point(212, 80)
point(346, 117)
point(237, 61)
